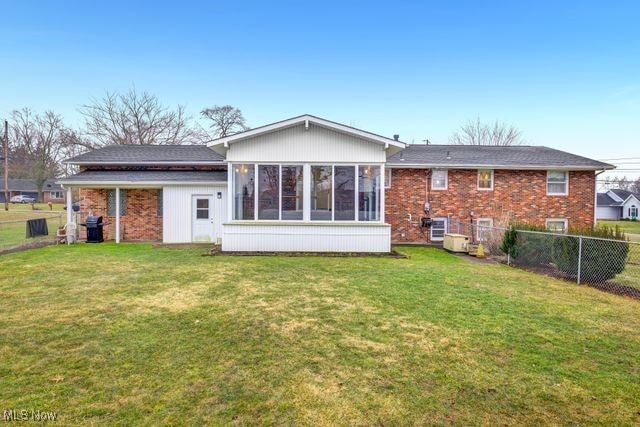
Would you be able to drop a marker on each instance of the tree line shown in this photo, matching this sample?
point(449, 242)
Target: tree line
point(40, 141)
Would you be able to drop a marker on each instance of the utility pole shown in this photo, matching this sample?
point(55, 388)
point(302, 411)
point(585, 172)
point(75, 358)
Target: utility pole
point(6, 165)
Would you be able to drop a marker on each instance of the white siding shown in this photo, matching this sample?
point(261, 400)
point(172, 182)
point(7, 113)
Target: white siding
point(631, 202)
point(177, 216)
point(607, 212)
point(307, 237)
point(297, 145)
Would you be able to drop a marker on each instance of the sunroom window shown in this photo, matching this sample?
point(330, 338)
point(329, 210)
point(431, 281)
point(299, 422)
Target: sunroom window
point(336, 192)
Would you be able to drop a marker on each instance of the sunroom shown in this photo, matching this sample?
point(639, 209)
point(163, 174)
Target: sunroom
point(306, 184)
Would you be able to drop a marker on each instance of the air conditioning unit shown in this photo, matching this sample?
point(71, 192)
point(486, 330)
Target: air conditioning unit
point(456, 242)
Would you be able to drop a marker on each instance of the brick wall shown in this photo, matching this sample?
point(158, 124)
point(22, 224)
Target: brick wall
point(517, 195)
point(141, 221)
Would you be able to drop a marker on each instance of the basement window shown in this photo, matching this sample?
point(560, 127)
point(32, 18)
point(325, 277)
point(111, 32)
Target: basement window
point(556, 225)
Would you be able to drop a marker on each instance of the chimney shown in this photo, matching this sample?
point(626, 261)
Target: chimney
point(396, 137)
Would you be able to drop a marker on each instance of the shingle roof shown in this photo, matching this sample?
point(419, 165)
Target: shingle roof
point(603, 199)
point(29, 185)
point(473, 156)
point(105, 176)
point(149, 154)
point(624, 194)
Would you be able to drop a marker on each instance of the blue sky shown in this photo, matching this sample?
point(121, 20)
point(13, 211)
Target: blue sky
point(567, 73)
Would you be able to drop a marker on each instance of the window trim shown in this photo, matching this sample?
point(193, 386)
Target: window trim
point(478, 227)
point(54, 194)
point(387, 182)
point(566, 183)
point(563, 220)
point(446, 229)
point(478, 180)
point(446, 180)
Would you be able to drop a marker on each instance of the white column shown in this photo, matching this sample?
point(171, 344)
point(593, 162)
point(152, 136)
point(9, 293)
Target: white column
point(118, 215)
point(306, 192)
point(69, 206)
point(382, 191)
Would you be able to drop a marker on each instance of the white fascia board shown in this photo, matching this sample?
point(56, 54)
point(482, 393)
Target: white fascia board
point(224, 142)
point(136, 184)
point(614, 196)
point(148, 163)
point(507, 167)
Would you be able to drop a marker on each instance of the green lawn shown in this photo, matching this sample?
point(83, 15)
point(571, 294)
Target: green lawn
point(13, 226)
point(119, 335)
point(626, 226)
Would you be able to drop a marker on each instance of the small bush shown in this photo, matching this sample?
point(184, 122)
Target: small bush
point(527, 249)
point(601, 259)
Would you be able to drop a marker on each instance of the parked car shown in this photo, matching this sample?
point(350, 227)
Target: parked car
point(22, 199)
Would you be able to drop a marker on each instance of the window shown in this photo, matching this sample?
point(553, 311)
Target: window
point(243, 192)
point(321, 193)
point(483, 228)
point(369, 193)
point(202, 208)
point(439, 179)
point(278, 192)
point(56, 194)
point(160, 203)
point(556, 225)
point(292, 192)
point(111, 202)
point(268, 192)
point(557, 183)
point(438, 228)
point(344, 201)
point(485, 179)
point(633, 211)
point(387, 178)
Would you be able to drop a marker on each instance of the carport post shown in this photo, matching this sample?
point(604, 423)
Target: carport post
point(117, 214)
point(69, 206)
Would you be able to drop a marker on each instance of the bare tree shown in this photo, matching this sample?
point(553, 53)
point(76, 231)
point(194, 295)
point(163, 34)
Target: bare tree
point(136, 118)
point(478, 133)
point(38, 145)
point(225, 120)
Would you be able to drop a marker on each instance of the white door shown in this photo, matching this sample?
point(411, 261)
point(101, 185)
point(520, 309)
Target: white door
point(202, 218)
point(438, 228)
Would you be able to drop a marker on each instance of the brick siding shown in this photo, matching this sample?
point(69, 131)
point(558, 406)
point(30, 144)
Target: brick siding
point(517, 195)
point(141, 221)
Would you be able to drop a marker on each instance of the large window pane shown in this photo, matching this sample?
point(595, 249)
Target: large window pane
point(344, 193)
point(321, 193)
point(268, 192)
point(369, 193)
point(292, 199)
point(243, 192)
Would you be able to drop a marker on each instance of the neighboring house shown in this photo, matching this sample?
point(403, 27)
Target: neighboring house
point(618, 204)
point(309, 184)
point(52, 191)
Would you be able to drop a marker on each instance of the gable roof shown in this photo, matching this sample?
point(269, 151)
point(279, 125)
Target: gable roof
point(148, 155)
point(624, 194)
point(494, 157)
point(221, 144)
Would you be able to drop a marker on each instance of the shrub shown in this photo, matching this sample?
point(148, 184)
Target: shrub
point(601, 259)
point(527, 249)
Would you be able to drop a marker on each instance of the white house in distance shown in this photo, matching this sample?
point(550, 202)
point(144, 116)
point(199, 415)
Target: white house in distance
point(618, 204)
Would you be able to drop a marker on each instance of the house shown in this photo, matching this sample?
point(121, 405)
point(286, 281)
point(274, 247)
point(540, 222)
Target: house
point(51, 192)
point(310, 184)
point(617, 204)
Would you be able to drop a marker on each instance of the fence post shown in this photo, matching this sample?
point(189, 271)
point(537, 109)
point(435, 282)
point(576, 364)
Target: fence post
point(579, 258)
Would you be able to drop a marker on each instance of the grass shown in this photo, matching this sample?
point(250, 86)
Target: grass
point(122, 334)
point(632, 227)
point(13, 225)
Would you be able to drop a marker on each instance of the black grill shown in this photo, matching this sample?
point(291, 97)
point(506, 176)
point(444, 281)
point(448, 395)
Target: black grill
point(94, 229)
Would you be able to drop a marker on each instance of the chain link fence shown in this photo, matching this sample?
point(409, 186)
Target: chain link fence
point(14, 233)
point(607, 264)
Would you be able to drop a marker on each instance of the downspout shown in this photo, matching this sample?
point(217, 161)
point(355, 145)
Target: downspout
point(595, 198)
